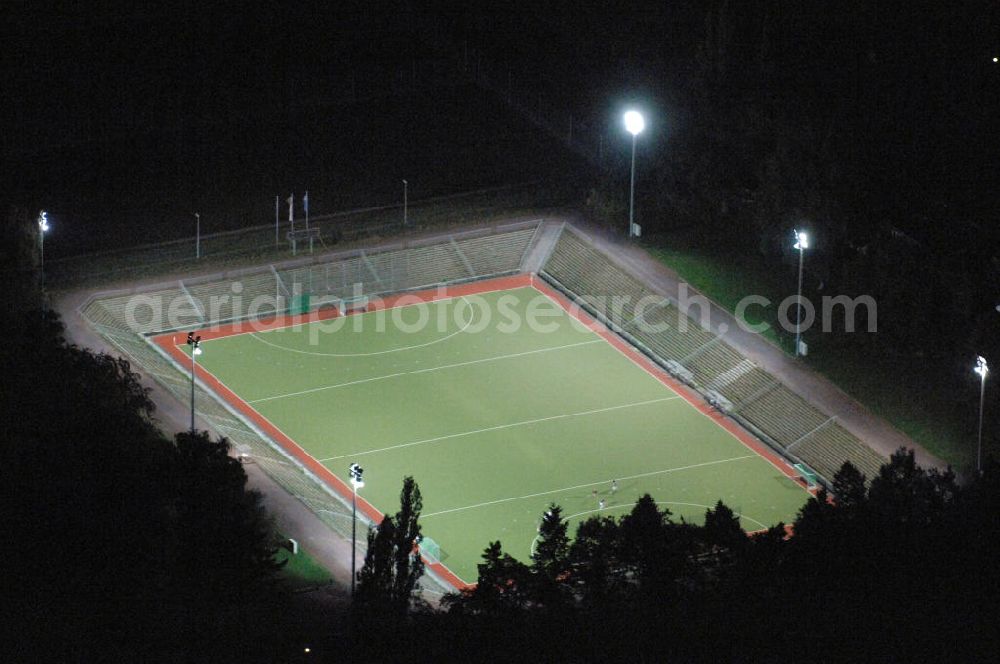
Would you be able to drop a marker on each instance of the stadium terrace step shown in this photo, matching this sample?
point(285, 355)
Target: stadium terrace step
point(783, 417)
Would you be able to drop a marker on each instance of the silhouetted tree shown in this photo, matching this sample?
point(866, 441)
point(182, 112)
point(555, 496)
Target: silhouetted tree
point(409, 566)
point(722, 528)
point(593, 556)
point(19, 266)
point(849, 485)
point(122, 544)
point(226, 542)
point(904, 493)
point(646, 552)
point(392, 567)
point(550, 563)
point(375, 578)
point(503, 585)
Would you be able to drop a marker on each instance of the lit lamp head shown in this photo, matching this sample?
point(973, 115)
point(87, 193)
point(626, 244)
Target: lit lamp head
point(43, 221)
point(634, 123)
point(801, 240)
point(195, 343)
point(356, 473)
point(981, 367)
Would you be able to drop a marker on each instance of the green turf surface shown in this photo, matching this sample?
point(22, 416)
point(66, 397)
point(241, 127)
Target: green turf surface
point(301, 570)
point(494, 420)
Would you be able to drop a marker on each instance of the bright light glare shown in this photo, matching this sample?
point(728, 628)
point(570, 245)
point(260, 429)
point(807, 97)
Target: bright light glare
point(981, 367)
point(802, 240)
point(634, 122)
point(43, 221)
point(358, 484)
point(996, 59)
point(197, 350)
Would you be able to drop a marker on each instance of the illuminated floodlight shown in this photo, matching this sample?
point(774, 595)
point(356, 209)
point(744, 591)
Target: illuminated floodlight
point(356, 473)
point(801, 243)
point(801, 240)
point(195, 343)
point(982, 370)
point(634, 122)
point(43, 225)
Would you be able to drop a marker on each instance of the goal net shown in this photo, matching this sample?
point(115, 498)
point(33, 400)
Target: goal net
point(430, 550)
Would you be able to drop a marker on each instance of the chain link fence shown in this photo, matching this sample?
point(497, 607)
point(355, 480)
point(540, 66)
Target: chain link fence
point(264, 243)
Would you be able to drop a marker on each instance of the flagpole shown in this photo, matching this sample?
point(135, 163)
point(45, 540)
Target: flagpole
point(277, 224)
point(291, 221)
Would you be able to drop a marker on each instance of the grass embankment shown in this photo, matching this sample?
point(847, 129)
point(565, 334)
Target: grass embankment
point(302, 571)
point(906, 394)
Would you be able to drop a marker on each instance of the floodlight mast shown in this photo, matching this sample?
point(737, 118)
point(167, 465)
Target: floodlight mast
point(195, 343)
point(634, 124)
point(801, 243)
point(356, 472)
point(406, 187)
point(43, 226)
point(982, 369)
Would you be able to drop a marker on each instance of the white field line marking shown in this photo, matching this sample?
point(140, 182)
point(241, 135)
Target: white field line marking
point(499, 427)
point(701, 412)
point(418, 371)
point(447, 298)
point(327, 387)
point(256, 335)
point(589, 484)
point(504, 357)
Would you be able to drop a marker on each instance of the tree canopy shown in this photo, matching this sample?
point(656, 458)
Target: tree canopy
point(387, 582)
point(121, 543)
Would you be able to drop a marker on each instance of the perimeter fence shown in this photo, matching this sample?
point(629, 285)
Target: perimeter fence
point(270, 242)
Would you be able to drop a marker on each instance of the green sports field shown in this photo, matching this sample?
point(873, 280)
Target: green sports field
point(497, 403)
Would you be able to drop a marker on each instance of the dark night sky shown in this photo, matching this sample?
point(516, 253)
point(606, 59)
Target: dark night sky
point(93, 95)
point(74, 70)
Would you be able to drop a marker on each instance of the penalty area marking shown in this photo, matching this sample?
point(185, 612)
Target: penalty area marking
point(256, 335)
point(589, 484)
point(419, 371)
point(499, 427)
